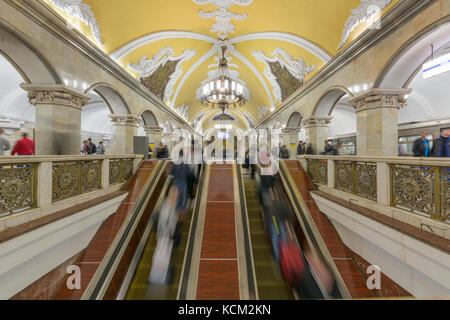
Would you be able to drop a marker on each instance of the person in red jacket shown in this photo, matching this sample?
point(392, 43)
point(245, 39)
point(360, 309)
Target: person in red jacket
point(24, 147)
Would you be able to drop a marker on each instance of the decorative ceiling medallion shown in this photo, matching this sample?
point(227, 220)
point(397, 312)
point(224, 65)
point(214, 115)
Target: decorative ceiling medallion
point(365, 12)
point(275, 69)
point(223, 25)
point(163, 71)
point(82, 11)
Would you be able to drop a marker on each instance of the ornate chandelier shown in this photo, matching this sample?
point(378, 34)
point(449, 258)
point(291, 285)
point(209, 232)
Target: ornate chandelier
point(223, 91)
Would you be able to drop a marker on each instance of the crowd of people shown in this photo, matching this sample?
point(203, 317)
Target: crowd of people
point(89, 148)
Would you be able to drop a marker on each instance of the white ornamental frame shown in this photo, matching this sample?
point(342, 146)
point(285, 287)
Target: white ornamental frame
point(82, 11)
point(146, 67)
point(365, 12)
point(223, 16)
point(297, 68)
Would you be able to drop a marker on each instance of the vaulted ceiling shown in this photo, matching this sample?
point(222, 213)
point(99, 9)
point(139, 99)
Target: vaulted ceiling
point(274, 46)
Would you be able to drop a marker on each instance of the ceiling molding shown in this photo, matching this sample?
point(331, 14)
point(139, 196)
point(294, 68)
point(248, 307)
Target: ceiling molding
point(194, 67)
point(238, 55)
point(82, 11)
point(287, 37)
point(223, 16)
point(365, 12)
point(126, 49)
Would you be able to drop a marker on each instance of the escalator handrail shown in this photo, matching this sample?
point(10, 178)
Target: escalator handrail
point(251, 273)
point(312, 235)
point(105, 275)
point(186, 269)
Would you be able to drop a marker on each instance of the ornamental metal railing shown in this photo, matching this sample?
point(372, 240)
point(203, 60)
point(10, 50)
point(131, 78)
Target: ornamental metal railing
point(32, 182)
point(418, 185)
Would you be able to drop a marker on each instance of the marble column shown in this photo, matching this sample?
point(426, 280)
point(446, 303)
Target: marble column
point(290, 138)
point(154, 135)
point(58, 118)
point(317, 132)
point(125, 129)
point(377, 121)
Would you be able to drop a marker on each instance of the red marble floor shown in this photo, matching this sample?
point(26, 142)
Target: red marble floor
point(99, 245)
point(218, 277)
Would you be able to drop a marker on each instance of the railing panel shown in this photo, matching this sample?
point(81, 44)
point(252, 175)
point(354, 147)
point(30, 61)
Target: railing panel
point(17, 188)
point(344, 176)
point(366, 180)
point(318, 171)
point(445, 195)
point(120, 170)
point(66, 180)
point(91, 178)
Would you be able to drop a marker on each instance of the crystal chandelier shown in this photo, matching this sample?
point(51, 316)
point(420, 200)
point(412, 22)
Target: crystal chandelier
point(223, 127)
point(223, 91)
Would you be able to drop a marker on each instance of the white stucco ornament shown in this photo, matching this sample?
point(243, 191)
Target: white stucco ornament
point(296, 68)
point(262, 111)
point(223, 25)
point(82, 11)
point(146, 67)
point(365, 12)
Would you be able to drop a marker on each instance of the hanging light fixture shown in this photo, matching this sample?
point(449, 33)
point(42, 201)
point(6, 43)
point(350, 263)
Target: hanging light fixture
point(223, 91)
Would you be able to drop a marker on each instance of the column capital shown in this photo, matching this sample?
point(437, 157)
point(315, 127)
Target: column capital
point(380, 98)
point(56, 94)
point(153, 130)
point(125, 120)
point(317, 122)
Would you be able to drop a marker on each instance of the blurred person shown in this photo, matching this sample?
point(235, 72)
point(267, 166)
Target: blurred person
point(101, 148)
point(24, 147)
point(330, 149)
point(300, 148)
point(93, 146)
point(441, 146)
point(309, 150)
point(86, 149)
point(284, 152)
point(162, 152)
point(4, 143)
point(421, 147)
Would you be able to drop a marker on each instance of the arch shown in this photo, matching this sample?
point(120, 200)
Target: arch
point(114, 100)
point(329, 100)
point(406, 62)
point(26, 58)
point(149, 118)
point(295, 120)
point(277, 126)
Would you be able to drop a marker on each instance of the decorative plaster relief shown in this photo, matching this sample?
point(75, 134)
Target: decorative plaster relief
point(262, 111)
point(147, 67)
point(365, 12)
point(223, 25)
point(296, 68)
point(82, 11)
point(183, 111)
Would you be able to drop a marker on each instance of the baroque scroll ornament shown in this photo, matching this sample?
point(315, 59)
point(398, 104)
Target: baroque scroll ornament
point(146, 67)
point(297, 68)
point(82, 11)
point(223, 25)
point(365, 12)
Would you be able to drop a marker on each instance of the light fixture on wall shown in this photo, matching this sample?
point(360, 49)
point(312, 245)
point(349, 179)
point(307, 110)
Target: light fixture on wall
point(223, 91)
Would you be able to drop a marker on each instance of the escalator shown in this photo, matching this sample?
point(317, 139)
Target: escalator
point(271, 285)
point(139, 289)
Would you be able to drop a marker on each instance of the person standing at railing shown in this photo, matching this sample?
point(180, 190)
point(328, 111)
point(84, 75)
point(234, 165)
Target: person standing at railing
point(441, 146)
point(93, 146)
point(300, 148)
point(330, 150)
point(87, 149)
point(24, 147)
point(421, 147)
point(4, 143)
point(309, 149)
point(101, 148)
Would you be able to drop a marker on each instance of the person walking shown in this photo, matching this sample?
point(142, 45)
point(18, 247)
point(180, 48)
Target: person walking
point(4, 143)
point(421, 147)
point(87, 149)
point(101, 148)
point(24, 147)
point(441, 146)
point(93, 146)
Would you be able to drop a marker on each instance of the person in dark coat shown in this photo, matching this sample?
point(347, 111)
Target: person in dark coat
point(441, 146)
point(329, 149)
point(309, 149)
point(421, 148)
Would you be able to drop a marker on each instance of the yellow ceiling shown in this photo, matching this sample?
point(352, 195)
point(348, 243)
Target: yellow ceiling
point(318, 22)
